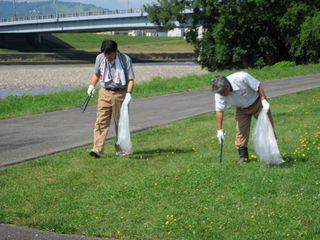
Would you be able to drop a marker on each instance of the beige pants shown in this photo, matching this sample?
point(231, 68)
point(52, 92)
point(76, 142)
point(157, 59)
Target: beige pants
point(109, 104)
point(243, 121)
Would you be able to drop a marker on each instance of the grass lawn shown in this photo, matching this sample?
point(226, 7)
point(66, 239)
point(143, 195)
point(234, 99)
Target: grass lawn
point(15, 106)
point(173, 186)
point(129, 44)
point(138, 44)
point(7, 51)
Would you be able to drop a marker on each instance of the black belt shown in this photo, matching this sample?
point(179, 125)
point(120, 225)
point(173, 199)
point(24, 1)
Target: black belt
point(116, 89)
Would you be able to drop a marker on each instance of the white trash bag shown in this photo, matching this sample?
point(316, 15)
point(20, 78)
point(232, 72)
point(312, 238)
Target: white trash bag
point(124, 140)
point(264, 141)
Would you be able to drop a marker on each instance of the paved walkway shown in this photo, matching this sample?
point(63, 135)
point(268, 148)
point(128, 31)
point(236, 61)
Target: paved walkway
point(30, 137)
point(11, 232)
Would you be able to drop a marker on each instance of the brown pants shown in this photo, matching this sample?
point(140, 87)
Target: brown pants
point(243, 121)
point(109, 104)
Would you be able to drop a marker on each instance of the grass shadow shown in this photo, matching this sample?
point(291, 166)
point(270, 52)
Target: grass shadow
point(151, 153)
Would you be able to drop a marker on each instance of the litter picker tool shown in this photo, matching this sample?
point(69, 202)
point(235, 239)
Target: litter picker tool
point(221, 150)
point(85, 103)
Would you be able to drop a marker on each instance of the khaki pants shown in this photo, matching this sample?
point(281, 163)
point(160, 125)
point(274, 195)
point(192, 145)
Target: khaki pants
point(243, 121)
point(109, 104)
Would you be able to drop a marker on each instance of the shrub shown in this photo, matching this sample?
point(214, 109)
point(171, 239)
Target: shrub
point(284, 64)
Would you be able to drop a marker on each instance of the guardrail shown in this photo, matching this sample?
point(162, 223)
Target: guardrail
point(68, 15)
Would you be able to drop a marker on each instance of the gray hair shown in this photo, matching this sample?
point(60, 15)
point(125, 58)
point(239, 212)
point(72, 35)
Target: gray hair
point(219, 84)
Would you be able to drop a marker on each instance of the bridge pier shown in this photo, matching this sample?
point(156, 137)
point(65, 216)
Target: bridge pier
point(31, 41)
point(37, 39)
point(20, 41)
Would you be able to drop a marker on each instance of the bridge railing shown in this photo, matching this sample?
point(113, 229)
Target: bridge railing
point(68, 15)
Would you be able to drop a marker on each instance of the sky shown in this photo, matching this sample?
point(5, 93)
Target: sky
point(110, 4)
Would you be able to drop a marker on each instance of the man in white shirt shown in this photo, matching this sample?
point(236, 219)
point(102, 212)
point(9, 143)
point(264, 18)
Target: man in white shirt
point(243, 91)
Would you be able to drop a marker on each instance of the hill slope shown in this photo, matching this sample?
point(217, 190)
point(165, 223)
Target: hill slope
point(43, 8)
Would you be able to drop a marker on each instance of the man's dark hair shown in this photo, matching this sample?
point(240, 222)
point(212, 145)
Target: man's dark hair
point(219, 84)
point(109, 46)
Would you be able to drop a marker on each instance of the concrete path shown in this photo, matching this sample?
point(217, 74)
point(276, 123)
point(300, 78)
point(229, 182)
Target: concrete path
point(30, 137)
point(11, 232)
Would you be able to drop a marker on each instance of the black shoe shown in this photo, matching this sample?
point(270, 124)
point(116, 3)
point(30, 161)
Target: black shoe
point(96, 154)
point(243, 154)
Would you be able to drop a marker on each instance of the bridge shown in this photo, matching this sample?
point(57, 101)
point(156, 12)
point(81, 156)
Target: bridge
point(116, 20)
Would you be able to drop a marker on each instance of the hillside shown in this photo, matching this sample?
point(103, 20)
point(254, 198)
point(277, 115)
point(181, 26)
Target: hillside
point(43, 8)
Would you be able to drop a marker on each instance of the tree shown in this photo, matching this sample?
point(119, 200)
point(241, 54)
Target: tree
point(309, 49)
point(165, 13)
point(242, 33)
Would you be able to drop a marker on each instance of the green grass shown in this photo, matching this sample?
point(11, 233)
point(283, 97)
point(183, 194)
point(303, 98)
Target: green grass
point(6, 51)
point(176, 188)
point(15, 106)
point(91, 42)
point(130, 44)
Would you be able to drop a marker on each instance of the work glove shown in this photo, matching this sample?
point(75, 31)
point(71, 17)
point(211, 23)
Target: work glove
point(127, 99)
point(220, 135)
point(265, 105)
point(91, 90)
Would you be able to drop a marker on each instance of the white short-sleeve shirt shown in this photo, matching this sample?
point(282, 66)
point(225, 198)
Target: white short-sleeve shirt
point(245, 92)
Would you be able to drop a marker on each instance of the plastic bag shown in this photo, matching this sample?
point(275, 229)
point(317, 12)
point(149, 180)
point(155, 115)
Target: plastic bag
point(124, 140)
point(264, 141)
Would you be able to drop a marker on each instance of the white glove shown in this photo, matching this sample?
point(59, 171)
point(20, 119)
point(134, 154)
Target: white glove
point(127, 99)
point(91, 90)
point(265, 105)
point(220, 135)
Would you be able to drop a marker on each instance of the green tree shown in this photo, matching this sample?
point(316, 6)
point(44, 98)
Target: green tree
point(309, 49)
point(165, 13)
point(243, 33)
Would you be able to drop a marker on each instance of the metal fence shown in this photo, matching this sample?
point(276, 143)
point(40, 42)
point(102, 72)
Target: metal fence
point(69, 15)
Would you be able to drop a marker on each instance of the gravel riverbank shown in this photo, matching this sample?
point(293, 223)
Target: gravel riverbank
point(26, 77)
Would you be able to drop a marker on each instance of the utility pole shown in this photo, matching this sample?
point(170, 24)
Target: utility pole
point(55, 7)
point(14, 10)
